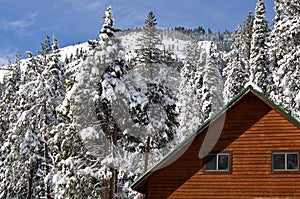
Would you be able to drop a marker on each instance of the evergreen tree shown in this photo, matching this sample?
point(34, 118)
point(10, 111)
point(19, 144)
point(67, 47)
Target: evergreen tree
point(151, 102)
point(242, 38)
point(212, 100)
point(55, 46)
point(9, 112)
point(237, 70)
point(149, 53)
point(78, 172)
point(93, 94)
point(236, 76)
point(28, 147)
point(108, 29)
point(284, 52)
point(189, 97)
point(259, 68)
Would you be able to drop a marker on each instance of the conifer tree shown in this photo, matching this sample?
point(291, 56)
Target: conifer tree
point(151, 101)
point(78, 172)
point(284, 52)
point(242, 38)
point(149, 53)
point(108, 29)
point(9, 112)
point(212, 99)
point(259, 67)
point(189, 98)
point(237, 70)
point(93, 94)
point(41, 90)
point(236, 76)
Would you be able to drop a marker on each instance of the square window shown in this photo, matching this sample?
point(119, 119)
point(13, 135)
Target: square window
point(211, 163)
point(285, 161)
point(217, 162)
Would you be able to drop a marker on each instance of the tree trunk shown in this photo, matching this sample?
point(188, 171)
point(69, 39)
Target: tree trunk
point(108, 191)
point(147, 154)
point(112, 183)
point(113, 179)
point(29, 187)
point(105, 128)
point(104, 191)
point(46, 153)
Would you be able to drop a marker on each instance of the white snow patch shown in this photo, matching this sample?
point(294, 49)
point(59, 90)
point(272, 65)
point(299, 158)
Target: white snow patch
point(256, 87)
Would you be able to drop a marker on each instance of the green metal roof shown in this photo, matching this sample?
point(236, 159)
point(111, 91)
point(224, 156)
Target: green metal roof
point(189, 138)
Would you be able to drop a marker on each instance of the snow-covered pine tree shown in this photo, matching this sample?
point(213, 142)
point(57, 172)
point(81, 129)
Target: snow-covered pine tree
point(40, 91)
point(108, 29)
point(259, 68)
point(55, 46)
point(78, 172)
point(152, 101)
point(237, 71)
point(11, 83)
point(110, 90)
point(97, 86)
point(212, 99)
point(242, 38)
point(284, 51)
point(149, 53)
point(274, 53)
point(246, 31)
point(236, 76)
point(189, 102)
point(26, 137)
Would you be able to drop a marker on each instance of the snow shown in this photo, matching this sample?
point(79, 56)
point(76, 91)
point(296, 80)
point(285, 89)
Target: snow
point(71, 50)
point(89, 132)
point(3, 72)
point(253, 85)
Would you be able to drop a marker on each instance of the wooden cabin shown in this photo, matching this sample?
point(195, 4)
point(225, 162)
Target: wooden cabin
point(250, 149)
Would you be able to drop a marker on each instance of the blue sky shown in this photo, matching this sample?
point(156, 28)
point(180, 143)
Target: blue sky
point(25, 24)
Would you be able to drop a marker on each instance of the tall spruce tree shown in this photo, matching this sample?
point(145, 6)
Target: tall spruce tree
point(237, 68)
point(94, 92)
point(189, 97)
point(236, 76)
point(9, 112)
point(259, 67)
point(152, 101)
point(149, 53)
point(212, 99)
point(284, 52)
point(41, 90)
point(78, 173)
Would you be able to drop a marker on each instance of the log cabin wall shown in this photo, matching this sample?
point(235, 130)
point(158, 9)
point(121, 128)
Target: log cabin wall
point(252, 131)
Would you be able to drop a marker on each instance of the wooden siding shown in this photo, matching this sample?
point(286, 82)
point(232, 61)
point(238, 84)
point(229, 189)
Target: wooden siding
point(251, 132)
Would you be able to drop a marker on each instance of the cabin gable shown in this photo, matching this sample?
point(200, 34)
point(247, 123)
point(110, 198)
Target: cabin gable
point(252, 132)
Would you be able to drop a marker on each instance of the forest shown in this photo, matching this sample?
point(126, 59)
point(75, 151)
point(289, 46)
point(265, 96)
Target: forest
point(86, 120)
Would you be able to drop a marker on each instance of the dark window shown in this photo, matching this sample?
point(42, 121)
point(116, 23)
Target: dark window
point(285, 161)
point(217, 162)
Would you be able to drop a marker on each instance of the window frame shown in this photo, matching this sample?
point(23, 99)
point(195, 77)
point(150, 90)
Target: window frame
point(217, 171)
point(285, 170)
